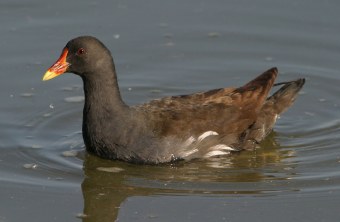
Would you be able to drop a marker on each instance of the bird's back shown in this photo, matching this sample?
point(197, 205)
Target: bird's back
point(218, 121)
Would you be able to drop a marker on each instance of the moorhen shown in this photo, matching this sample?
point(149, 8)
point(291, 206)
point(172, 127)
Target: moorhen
point(200, 125)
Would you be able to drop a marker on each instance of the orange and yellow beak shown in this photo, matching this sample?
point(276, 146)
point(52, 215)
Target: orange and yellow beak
point(58, 68)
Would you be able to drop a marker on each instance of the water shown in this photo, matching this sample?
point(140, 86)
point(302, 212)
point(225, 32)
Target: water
point(160, 49)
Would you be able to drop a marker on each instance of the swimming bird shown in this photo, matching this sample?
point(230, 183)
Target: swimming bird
point(200, 125)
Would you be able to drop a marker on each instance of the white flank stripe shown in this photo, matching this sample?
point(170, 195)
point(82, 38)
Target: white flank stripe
point(206, 134)
point(221, 147)
point(216, 153)
point(189, 141)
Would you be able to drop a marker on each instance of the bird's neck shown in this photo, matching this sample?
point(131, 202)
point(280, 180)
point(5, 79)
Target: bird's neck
point(103, 113)
point(102, 92)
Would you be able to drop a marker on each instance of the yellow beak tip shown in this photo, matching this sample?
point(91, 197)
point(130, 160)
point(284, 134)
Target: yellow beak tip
point(49, 75)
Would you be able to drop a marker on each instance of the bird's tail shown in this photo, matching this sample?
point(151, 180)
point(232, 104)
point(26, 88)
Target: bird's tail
point(283, 98)
point(275, 105)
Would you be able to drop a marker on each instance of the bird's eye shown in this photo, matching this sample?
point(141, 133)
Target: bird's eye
point(81, 51)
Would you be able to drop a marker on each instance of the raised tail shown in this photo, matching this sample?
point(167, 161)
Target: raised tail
point(275, 105)
point(283, 98)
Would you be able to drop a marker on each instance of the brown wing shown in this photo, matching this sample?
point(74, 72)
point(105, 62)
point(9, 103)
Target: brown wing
point(225, 111)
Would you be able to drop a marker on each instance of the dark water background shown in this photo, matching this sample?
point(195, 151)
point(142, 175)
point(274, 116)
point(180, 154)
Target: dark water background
point(166, 48)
